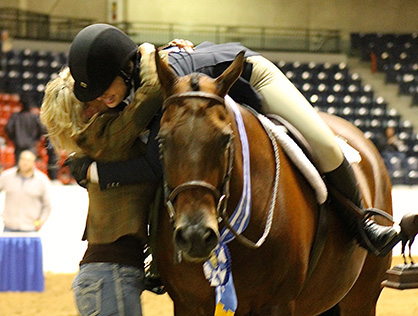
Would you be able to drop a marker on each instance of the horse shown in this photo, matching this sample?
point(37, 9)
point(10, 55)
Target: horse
point(202, 156)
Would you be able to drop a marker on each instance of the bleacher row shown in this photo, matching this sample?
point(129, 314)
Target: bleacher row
point(396, 55)
point(332, 88)
point(27, 71)
point(329, 87)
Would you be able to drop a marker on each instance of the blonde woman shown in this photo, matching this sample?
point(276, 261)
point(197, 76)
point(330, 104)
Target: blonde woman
point(111, 276)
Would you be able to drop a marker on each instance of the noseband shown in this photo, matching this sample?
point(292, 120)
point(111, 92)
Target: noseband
point(220, 196)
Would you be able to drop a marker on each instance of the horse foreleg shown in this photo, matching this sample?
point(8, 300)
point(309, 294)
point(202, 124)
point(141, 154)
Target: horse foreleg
point(410, 250)
point(403, 252)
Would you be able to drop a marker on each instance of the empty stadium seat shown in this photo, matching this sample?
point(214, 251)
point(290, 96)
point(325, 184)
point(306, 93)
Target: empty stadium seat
point(412, 177)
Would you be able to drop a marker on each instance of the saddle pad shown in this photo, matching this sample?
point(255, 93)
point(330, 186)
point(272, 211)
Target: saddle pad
point(301, 161)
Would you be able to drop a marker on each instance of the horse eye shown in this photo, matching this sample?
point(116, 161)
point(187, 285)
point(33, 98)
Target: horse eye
point(222, 116)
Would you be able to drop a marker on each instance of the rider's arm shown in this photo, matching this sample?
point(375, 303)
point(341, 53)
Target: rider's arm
point(145, 168)
point(114, 174)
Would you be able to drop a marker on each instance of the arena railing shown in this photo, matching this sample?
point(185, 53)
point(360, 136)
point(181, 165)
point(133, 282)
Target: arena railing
point(257, 38)
point(37, 26)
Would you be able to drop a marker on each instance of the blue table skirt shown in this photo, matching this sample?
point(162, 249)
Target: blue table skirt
point(21, 266)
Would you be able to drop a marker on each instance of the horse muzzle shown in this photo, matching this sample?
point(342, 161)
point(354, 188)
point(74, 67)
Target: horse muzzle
point(196, 240)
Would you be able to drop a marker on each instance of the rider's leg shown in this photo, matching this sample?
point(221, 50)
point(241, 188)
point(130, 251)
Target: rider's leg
point(281, 97)
point(382, 238)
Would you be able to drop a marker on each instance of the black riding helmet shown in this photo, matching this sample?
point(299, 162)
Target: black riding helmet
point(97, 55)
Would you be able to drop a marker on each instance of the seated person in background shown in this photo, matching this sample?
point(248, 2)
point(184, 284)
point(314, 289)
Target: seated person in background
point(389, 144)
point(389, 141)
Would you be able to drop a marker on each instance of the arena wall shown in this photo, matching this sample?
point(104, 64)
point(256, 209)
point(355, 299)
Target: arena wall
point(61, 235)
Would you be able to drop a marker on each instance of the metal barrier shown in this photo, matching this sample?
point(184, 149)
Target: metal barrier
point(29, 25)
point(37, 26)
point(257, 38)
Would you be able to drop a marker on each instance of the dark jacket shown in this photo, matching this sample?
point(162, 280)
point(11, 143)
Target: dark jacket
point(24, 129)
point(212, 60)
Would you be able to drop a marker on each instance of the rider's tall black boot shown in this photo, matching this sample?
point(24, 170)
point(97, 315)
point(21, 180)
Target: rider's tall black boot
point(375, 238)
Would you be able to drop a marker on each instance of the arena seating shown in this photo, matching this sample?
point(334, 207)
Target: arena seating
point(332, 88)
point(27, 71)
point(329, 87)
point(395, 55)
point(24, 72)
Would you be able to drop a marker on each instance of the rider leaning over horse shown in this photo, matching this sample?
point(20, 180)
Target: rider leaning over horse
point(279, 96)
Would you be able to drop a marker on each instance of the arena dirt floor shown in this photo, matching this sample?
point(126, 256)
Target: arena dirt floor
point(57, 300)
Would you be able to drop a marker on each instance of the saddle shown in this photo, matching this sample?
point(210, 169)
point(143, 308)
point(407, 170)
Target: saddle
point(409, 224)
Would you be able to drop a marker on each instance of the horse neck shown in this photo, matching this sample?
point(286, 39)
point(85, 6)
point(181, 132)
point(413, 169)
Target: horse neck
point(264, 162)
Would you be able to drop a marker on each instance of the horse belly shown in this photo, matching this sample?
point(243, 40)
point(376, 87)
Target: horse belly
point(338, 269)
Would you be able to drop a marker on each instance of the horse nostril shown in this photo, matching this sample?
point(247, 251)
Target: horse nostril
point(181, 240)
point(196, 241)
point(210, 238)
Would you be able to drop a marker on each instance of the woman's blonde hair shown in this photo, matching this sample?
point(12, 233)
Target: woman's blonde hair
point(62, 113)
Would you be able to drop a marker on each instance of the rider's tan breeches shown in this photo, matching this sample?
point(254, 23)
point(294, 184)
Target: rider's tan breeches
point(282, 98)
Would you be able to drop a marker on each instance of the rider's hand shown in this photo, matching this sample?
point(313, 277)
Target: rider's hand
point(181, 44)
point(79, 165)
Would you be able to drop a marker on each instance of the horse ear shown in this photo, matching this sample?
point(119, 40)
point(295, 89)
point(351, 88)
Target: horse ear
point(166, 75)
point(225, 81)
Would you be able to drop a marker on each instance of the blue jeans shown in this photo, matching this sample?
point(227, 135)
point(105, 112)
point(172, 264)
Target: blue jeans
point(105, 289)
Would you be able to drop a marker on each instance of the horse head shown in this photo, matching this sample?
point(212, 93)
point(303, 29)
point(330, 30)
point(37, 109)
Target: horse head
point(196, 149)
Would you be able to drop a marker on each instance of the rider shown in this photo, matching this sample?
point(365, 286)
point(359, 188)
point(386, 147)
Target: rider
point(94, 72)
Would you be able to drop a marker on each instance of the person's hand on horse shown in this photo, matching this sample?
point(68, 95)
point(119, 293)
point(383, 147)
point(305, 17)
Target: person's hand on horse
point(79, 165)
point(181, 44)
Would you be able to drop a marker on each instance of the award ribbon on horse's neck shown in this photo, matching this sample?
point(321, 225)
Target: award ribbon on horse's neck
point(218, 269)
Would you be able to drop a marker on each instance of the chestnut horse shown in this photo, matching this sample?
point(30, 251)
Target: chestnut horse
point(202, 157)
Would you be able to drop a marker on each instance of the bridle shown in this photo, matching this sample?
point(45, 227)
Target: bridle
point(221, 196)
